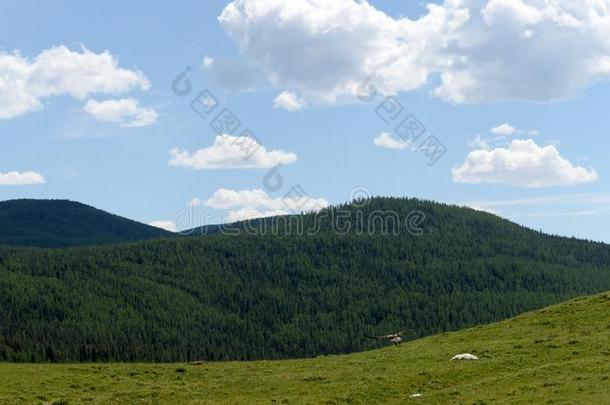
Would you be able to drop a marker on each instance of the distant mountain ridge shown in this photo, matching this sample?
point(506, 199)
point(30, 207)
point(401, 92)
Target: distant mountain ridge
point(63, 223)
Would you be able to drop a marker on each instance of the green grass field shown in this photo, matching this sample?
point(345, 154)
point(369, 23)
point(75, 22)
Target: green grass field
point(560, 354)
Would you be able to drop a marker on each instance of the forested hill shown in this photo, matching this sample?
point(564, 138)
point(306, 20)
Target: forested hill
point(277, 289)
point(61, 223)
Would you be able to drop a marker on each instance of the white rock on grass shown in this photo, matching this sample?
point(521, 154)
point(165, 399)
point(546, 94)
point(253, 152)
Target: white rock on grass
point(465, 356)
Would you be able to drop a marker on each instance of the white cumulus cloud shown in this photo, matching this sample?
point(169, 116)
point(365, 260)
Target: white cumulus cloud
point(482, 50)
point(289, 101)
point(504, 129)
point(208, 61)
point(231, 152)
point(248, 204)
point(387, 141)
point(125, 112)
point(303, 44)
point(523, 163)
point(20, 178)
point(25, 83)
point(507, 129)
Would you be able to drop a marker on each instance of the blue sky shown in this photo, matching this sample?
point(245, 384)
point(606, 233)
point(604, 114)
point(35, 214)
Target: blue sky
point(102, 134)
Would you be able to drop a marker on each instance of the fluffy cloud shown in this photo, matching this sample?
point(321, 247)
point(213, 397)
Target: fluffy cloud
point(482, 50)
point(208, 61)
point(504, 129)
point(302, 44)
point(231, 152)
point(287, 100)
point(507, 129)
point(523, 163)
point(480, 142)
point(387, 141)
point(59, 71)
point(167, 225)
point(125, 112)
point(248, 204)
point(509, 48)
point(20, 178)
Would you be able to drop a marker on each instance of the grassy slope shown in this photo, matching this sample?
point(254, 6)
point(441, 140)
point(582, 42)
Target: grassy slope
point(560, 354)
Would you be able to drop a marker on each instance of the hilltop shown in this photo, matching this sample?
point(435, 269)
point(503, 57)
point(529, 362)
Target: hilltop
point(61, 223)
point(559, 354)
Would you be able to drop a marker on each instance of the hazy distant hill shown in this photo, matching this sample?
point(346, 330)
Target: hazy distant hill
point(314, 287)
point(60, 223)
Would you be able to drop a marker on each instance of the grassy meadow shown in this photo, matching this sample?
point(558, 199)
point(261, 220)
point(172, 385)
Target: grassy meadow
point(560, 354)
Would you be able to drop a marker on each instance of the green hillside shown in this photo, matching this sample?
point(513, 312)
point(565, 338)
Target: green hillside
point(560, 355)
point(286, 295)
point(61, 223)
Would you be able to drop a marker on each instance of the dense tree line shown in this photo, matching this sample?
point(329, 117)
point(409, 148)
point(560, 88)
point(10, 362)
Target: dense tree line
point(62, 223)
point(284, 294)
